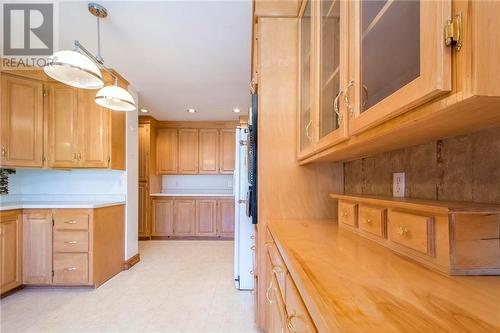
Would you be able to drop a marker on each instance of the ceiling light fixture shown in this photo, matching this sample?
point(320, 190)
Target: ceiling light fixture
point(80, 68)
point(191, 110)
point(236, 110)
point(144, 111)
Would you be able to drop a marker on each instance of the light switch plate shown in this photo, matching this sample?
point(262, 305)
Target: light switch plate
point(398, 184)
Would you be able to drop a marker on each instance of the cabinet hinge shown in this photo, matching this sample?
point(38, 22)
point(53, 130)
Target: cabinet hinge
point(45, 92)
point(453, 32)
point(52, 273)
point(52, 221)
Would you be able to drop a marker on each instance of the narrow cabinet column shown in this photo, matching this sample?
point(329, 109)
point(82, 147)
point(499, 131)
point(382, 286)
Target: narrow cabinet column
point(11, 240)
point(225, 218)
point(144, 229)
point(21, 119)
point(188, 151)
point(37, 247)
point(167, 151)
point(227, 151)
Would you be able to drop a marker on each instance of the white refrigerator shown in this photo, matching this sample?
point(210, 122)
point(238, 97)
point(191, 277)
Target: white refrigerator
point(244, 232)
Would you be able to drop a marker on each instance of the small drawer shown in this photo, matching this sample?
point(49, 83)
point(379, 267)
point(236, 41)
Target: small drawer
point(71, 222)
point(71, 241)
point(372, 220)
point(411, 230)
point(71, 268)
point(298, 317)
point(348, 213)
point(278, 267)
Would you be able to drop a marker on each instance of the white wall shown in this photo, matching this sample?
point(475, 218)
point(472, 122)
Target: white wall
point(132, 213)
point(197, 183)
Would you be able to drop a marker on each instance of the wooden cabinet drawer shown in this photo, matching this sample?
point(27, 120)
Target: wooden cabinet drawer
point(71, 222)
point(372, 220)
point(71, 268)
point(278, 267)
point(348, 213)
point(411, 230)
point(297, 315)
point(71, 241)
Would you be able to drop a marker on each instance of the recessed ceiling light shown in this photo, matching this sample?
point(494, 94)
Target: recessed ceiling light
point(191, 110)
point(236, 110)
point(144, 111)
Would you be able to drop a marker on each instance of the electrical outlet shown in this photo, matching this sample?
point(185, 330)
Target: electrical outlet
point(398, 184)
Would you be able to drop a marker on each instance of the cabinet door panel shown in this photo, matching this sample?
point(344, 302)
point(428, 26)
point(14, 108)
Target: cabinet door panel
point(184, 218)
point(227, 151)
point(21, 122)
point(403, 61)
point(93, 120)
point(63, 126)
point(143, 152)
point(11, 252)
point(206, 216)
point(144, 230)
point(167, 150)
point(162, 217)
point(188, 151)
point(209, 151)
point(37, 248)
point(225, 218)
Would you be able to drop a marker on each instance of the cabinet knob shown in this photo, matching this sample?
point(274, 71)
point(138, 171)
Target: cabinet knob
point(4, 151)
point(368, 221)
point(402, 230)
point(70, 222)
point(71, 242)
point(69, 269)
point(289, 323)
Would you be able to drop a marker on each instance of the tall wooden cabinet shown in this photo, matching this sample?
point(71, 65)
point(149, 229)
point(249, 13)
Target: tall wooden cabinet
point(21, 126)
point(11, 246)
point(143, 195)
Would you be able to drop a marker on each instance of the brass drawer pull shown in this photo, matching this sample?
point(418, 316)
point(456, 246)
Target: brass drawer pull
point(70, 242)
point(368, 221)
point(277, 269)
point(289, 323)
point(69, 269)
point(70, 222)
point(402, 230)
point(345, 214)
point(268, 244)
point(268, 298)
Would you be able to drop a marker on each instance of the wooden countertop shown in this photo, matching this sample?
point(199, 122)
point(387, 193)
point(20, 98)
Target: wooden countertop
point(351, 284)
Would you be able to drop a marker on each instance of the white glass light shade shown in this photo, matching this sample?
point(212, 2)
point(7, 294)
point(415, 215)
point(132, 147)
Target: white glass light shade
point(74, 69)
point(115, 98)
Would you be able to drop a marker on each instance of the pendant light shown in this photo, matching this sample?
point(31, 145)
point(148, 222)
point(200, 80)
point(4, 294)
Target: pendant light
point(80, 69)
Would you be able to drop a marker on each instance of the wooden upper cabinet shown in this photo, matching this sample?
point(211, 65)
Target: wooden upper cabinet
point(184, 217)
point(93, 121)
point(162, 217)
point(306, 60)
point(11, 240)
point(225, 218)
point(167, 150)
point(117, 140)
point(227, 151)
point(209, 151)
point(188, 151)
point(21, 122)
point(206, 217)
point(37, 249)
point(402, 60)
point(63, 126)
point(144, 151)
point(330, 114)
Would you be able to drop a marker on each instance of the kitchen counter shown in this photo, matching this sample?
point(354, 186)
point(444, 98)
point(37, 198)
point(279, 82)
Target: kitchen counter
point(192, 195)
point(351, 284)
point(58, 204)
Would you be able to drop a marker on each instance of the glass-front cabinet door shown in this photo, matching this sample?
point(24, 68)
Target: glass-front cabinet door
point(332, 69)
point(402, 60)
point(306, 126)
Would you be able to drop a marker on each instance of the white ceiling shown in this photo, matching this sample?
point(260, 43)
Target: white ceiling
point(175, 54)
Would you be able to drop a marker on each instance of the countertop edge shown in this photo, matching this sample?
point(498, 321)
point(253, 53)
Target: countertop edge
point(60, 205)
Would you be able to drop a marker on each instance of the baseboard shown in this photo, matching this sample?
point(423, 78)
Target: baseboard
point(12, 291)
point(131, 262)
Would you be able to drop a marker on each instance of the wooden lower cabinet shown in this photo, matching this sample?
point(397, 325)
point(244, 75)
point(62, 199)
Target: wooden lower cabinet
point(37, 247)
point(203, 217)
point(11, 240)
point(275, 309)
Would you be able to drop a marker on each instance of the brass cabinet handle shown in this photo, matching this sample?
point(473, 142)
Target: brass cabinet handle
point(402, 230)
point(346, 97)
point(71, 242)
point(289, 323)
point(277, 269)
point(79, 155)
point(74, 156)
point(336, 107)
point(268, 298)
point(368, 221)
point(70, 222)
point(268, 244)
point(69, 269)
point(4, 151)
point(345, 214)
point(307, 130)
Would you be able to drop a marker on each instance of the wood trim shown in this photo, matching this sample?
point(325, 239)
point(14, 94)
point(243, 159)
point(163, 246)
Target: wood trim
point(128, 264)
point(12, 291)
point(189, 124)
